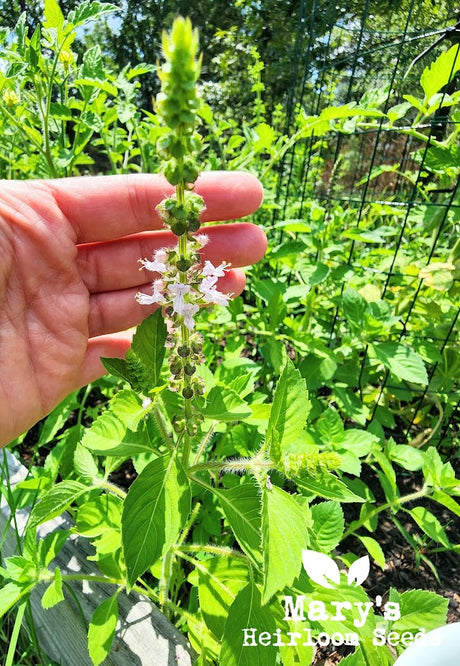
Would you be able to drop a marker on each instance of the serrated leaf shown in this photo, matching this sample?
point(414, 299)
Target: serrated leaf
point(402, 361)
point(88, 11)
point(59, 498)
point(53, 593)
point(224, 404)
point(440, 72)
point(289, 411)
point(429, 524)
point(84, 463)
point(327, 485)
point(98, 515)
point(320, 568)
point(155, 509)
point(242, 508)
point(328, 526)
point(110, 437)
point(420, 609)
point(284, 535)
point(117, 367)
point(149, 345)
point(102, 630)
point(247, 612)
point(127, 406)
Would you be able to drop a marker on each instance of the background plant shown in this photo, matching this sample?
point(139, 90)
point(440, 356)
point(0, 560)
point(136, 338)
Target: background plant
point(360, 310)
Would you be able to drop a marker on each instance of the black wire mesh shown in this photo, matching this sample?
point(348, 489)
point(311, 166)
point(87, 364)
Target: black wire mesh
point(349, 161)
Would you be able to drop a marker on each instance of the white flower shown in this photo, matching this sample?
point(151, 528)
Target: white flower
point(158, 265)
point(179, 290)
point(189, 310)
point(211, 294)
point(146, 403)
point(210, 270)
point(149, 299)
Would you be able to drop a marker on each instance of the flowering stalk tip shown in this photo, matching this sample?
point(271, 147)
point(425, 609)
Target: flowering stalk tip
point(182, 284)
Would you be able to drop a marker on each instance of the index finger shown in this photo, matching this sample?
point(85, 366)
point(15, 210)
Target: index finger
point(104, 207)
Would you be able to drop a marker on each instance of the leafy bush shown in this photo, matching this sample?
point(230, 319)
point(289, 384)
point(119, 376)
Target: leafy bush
point(329, 360)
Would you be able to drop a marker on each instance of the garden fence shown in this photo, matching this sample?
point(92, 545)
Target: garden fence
point(365, 170)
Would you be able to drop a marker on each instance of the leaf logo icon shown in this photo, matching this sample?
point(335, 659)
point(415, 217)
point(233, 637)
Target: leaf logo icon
point(323, 570)
point(320, 567)
point(359, 571)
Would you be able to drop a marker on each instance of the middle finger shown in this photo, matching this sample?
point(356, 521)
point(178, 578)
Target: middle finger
point(113, 265)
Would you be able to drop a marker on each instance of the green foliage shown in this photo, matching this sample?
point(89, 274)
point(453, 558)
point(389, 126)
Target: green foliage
point(341, 344)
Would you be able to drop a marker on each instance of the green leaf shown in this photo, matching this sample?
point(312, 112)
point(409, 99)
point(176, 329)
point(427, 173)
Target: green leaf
point(224, 404)
point(328, 526)
point(98, 515)
point(50, 545)
point(10, 594)
point(53, 593)
point(406, 456)
point(247, 612)
point(374, 549)
point(284, 536)
point(110, 437)
point(155, 509)
point(127, 406)
point(429, 524)
point(84, 463)
point(102, 630)
point(327, 485)
point(354, 307)
point(402, 361)
point(220, 580)
point(419, 609)
point(447, 501)
point(242, 508)
point(289, 411)
point(56, 500)
point(149, 345)
point(117, 367)
point(54, 17)
point(88, 11)
point(440, 72)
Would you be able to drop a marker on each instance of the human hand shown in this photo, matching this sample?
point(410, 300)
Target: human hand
point(69, 272)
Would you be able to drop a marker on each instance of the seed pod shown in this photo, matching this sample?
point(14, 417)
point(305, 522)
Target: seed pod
point(187, 392)
point(189, 369)
point(191, 429)
point(183, 351)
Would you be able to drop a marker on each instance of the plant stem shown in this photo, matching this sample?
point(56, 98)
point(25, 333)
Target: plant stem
point(424, 492)
point(215, 550)
point(112, 488)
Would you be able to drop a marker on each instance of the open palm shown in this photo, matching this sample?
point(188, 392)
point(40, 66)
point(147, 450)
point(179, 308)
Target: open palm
point(69, 273)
